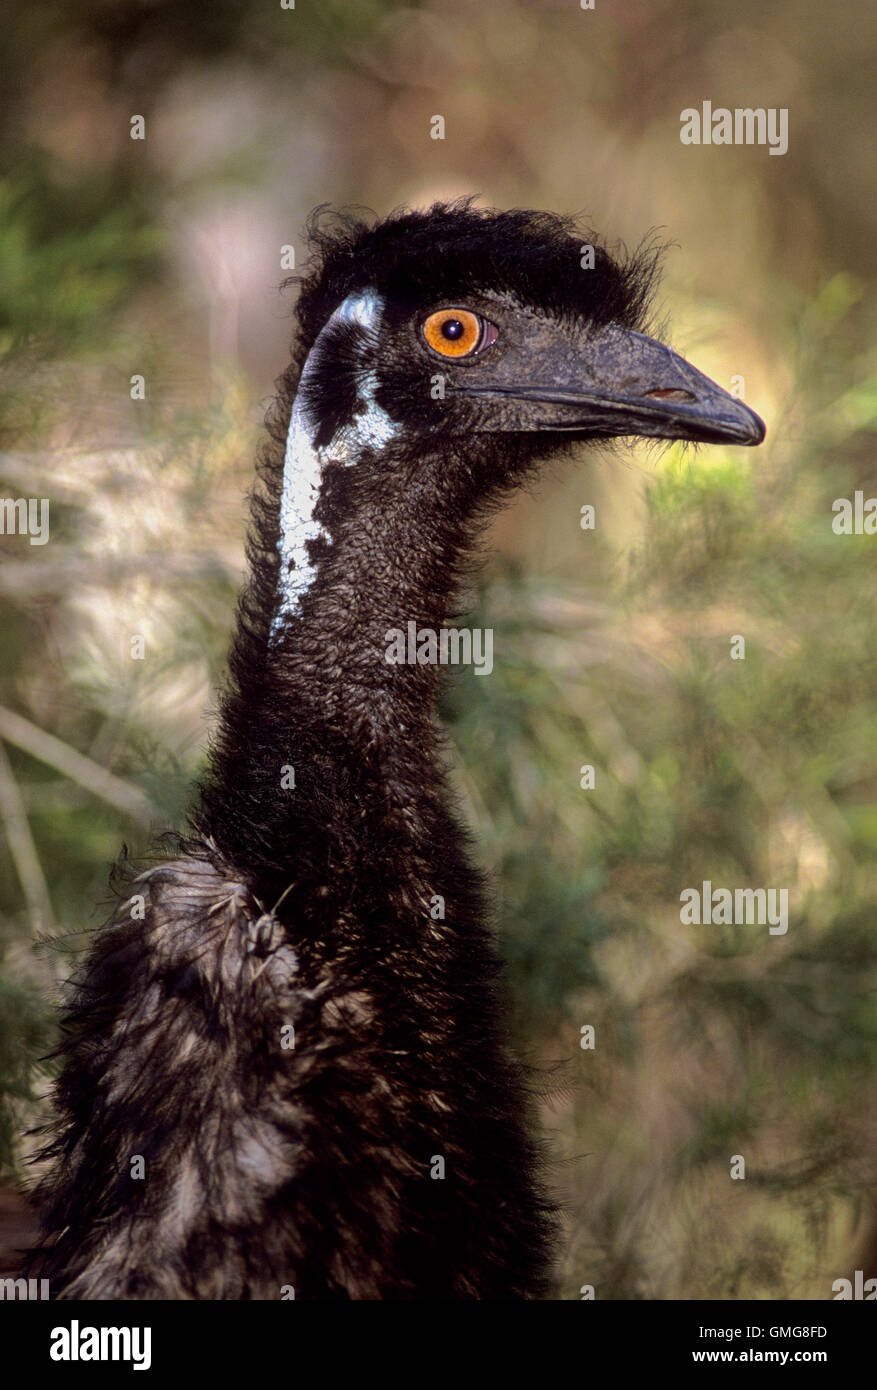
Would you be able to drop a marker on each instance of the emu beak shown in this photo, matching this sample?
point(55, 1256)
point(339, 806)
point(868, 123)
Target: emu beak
point(618, 382)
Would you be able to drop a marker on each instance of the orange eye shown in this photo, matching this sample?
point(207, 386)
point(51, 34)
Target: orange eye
point(457, 332)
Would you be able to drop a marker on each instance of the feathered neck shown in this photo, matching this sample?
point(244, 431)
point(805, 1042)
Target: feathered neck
point(322, 739)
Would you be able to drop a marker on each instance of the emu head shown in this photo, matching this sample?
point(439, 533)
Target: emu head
point(441, 352)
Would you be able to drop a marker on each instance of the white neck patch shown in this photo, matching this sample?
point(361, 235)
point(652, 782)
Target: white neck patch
point(303, 465)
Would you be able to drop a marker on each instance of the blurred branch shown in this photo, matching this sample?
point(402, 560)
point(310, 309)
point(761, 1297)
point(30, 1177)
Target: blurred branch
point(57, 577)
point(23, 850)
point(34, 478)
point(77, 767)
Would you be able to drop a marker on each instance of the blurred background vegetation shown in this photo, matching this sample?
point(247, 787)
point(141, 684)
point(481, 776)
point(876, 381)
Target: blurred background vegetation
point(162, 258)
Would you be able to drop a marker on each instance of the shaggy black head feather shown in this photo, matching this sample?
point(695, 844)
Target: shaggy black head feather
point(453, 250)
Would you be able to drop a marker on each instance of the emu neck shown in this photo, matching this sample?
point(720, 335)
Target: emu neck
point(387, 568)
point(356, 732)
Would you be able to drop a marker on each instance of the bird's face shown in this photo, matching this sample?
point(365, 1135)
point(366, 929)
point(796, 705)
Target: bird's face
point(488, 363)
point(467, 324)
point(441, 352)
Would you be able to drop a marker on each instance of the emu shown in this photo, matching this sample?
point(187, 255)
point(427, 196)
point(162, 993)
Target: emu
point(284, 1068)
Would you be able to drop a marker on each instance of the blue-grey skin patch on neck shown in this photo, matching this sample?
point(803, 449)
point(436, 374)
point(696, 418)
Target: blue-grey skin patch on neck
point(369, 427)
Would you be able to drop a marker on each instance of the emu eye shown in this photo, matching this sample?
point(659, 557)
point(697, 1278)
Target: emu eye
point(458, 332)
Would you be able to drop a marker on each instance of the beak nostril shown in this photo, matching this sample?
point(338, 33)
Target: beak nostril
point(670, 393)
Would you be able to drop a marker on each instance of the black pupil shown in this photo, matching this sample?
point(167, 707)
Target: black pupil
point(452, 328)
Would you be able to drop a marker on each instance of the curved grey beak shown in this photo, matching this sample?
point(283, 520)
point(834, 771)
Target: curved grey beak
point(619, 382)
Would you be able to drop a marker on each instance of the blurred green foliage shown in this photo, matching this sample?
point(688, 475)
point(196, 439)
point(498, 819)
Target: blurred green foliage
point(65, 264)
